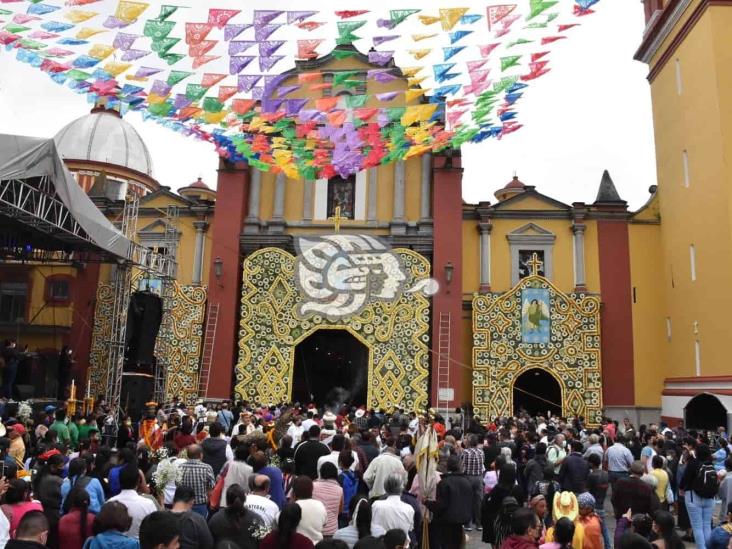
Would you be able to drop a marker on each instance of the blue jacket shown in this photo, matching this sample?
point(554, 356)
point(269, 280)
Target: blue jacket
point(111, 539)
point(93, 488)
point(720, 537)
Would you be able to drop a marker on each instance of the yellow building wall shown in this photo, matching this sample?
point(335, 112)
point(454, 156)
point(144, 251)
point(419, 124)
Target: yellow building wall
point(696, 120)
point(650, 344)
point(471, 258)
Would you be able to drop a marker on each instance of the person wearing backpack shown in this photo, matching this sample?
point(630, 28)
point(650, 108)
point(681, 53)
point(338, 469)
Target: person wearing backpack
point(78, 477)
point(349, 482)
point(698, 487)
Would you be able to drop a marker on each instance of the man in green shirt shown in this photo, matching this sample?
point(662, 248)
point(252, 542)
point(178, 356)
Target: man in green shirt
point(74, 431)
point(60, 428)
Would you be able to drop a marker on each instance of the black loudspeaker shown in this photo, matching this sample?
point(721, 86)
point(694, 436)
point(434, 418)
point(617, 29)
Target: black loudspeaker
point(137, 389)
point(143, 323)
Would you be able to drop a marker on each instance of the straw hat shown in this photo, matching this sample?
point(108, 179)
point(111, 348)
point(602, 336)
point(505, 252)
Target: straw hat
point(565, 505)
point(329, 417)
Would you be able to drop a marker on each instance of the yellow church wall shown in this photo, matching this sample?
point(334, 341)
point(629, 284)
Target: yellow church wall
point(413, 182)
point(563, 253)
point(294, 197)
point(650, 344)
point(471, 257)
point(385, 193)
point(530, 203)
point(592, 257)
point(695, 121)
point(266, 198)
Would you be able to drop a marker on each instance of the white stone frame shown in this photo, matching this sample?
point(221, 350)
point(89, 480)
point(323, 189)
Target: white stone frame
point(519, 240)
point(321, 198)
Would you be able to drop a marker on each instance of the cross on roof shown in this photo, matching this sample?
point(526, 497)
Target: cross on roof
point(535, 264)
point(336, 219)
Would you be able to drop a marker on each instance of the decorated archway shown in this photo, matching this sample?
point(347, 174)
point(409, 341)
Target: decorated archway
point(396, 334)
point(537, 391)
point(535, 325)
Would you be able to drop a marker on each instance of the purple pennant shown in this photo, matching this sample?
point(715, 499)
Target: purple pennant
point(232, 31)
point(114, 23)
point(266, 63)
point(240, 46)
point(238, 62)
point(262, 17)
point(380, 57)
point(123, 41)
point(264, 32)
point(268, 47)
point(271, 82)
point(248, 81)
point(385, 24)
point(294, 106)
point(306, 115)
point(284, 90)
point(131, 55)
point(299, 16)
point(386, 96)
point(258, 92)
point(271, 105)
point(160, 88)
point(378, 40)
point(181, 101)
point(381, 75)
point(144, 72)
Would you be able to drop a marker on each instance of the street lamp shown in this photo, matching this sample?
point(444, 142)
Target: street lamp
point(218, 269)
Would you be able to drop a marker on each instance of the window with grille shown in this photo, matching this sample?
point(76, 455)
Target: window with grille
point(13, 297)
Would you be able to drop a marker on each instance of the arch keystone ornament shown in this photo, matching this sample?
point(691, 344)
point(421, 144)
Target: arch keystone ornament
point(277, 313)
point(535, 325)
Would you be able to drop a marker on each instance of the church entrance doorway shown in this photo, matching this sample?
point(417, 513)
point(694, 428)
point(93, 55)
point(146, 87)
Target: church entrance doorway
point(705, 411)
point(536, 391)
point(331, 369)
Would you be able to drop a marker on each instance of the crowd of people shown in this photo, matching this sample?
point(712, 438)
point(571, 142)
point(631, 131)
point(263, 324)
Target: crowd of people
point(296, 477)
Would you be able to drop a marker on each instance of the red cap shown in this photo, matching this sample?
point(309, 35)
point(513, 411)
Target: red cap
point(18, 428)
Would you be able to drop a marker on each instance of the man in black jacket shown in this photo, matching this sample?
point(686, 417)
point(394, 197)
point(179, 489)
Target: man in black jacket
point(534, 471)
point(307, 454)
point(453, 506)
point(574, 471)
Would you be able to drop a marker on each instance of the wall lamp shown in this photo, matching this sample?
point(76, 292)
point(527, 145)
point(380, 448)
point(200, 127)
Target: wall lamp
point(449, 271)
point(218, 269)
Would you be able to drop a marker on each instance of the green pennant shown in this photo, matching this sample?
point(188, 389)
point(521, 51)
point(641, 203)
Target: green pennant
point(160, 109)
point(504, 83)
point(157, 30)
point(194, 92)
point(76, 74)
point(345, 31)
point(211, 104)
point(356, 101)
point(350, 83)
point(31, 44)
point(510, 61)
point(161, 47)
point(551, 17)
point(177, 76)
point(518, 42)
point(398, 16)
point(12, 28)
point(166, 11)
point(5, 12)
point(172, 58)
point(537, 7)
point(342, 54)
point(340, 77)
point(536, 26)
point(395, 113)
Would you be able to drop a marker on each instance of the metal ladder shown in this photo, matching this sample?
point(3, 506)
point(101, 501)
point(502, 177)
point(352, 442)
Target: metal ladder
point(443, 361)
point(212, 320)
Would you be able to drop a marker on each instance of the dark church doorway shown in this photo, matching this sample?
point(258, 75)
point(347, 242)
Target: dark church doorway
point(331, 369)
point(537, 392)
point(705, 411)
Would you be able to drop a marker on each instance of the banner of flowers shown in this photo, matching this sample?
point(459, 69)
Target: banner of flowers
point(255, 84)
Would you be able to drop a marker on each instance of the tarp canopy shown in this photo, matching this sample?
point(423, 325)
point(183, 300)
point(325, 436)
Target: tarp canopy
point(24, 158)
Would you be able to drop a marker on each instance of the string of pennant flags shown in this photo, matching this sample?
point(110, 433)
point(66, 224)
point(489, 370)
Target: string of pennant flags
point(309, 93)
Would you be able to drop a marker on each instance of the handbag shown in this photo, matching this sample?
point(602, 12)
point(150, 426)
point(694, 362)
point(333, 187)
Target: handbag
point(669, 494)
point(218, 489)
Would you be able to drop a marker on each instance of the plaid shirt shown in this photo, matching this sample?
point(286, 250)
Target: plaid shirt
point(473, 461)
point(198, 476)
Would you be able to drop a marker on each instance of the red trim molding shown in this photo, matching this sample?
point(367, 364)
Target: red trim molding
point(672, 421)
point(695, 392)
point(699, 379)
point(686, 28)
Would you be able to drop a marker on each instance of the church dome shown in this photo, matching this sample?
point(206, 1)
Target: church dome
point(103, 136)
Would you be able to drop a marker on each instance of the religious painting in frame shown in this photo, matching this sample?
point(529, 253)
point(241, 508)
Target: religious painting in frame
point(535, 316)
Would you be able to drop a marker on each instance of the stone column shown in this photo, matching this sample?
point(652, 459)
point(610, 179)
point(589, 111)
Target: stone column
point(277, 224)
point(307, 201)
point(398, 222)
point(425, 198)
point(372, 194)
point(580, 284)
point(201, 228)
point(251, 223)
point(485, 256)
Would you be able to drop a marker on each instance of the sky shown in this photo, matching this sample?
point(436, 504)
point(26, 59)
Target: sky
point(591, 112)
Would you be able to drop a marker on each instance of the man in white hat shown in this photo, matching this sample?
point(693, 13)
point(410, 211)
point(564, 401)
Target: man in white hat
point(295, 430)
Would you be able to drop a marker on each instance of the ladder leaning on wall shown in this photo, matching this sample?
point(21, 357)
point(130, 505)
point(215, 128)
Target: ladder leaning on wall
point(209, 337)
point(443, 363)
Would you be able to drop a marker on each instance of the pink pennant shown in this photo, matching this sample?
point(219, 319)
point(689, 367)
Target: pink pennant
point(7, 38)
point(536, 56)
point(347, 14)
point(499, 13)
point(58, 52)
point(51, 66)
point(22, 19)
point(309, 25)
point(200, 61)
point(210, 79)
point(486, 50)
point(43, 35)
point(306, 48)
point(563, 28)
point(475, 65)
point(201, 49)
point(479, 76)
point(549, 39)
point(219, 17)
point(227, 92)
point(197, 32)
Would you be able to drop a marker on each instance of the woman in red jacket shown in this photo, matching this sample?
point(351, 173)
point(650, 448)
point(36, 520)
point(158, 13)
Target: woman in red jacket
point(76, 525)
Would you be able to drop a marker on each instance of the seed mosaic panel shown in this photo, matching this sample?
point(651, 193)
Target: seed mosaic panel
point(185, 340)
point(396, 334)
point(572, 354)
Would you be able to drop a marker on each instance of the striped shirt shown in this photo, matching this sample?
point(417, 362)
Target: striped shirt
point(330, 494)
point(473, 461)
